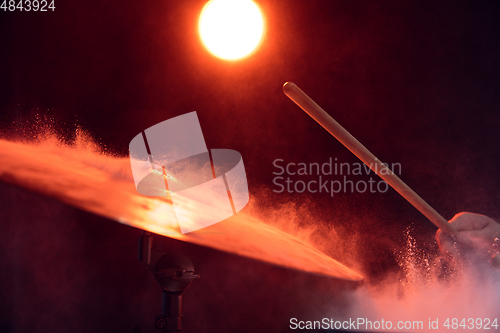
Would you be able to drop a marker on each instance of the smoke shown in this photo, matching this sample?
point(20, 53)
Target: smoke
point(432, 290)
point(331, 236)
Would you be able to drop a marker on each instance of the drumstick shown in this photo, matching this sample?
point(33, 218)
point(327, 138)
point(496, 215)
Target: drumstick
point(351, 143)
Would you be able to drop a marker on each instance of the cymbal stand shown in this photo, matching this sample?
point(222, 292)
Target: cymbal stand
point(174, 272)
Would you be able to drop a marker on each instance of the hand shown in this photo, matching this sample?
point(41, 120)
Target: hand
point(475, 232)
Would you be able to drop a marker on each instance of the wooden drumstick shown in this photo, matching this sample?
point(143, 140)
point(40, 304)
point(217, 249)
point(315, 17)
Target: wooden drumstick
point(351, 143)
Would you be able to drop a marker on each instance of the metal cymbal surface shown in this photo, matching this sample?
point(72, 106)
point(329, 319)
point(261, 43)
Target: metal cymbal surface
point(102, 184)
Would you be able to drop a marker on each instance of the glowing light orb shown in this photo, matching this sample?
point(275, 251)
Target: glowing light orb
point(231, 29)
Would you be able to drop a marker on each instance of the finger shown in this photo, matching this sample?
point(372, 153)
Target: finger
point(464, 240)
point(473, 239)
point(469, 221)
point(479, 235)
point(445, 241)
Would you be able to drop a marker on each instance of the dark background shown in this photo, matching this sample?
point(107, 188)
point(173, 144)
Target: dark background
point(416, 82)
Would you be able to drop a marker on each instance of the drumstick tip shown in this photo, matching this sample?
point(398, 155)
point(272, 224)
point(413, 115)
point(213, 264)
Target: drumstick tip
point(288, 86)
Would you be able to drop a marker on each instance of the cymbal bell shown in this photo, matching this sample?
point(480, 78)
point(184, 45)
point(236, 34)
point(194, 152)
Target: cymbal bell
point(103, 185)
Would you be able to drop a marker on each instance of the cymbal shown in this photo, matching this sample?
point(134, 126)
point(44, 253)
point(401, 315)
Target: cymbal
point(103, 185)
